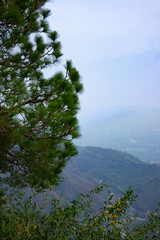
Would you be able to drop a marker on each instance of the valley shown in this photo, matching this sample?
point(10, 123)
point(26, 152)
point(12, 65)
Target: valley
point(135, 131)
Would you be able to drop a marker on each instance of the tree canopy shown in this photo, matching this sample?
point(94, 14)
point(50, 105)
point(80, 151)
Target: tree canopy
point(37, 114)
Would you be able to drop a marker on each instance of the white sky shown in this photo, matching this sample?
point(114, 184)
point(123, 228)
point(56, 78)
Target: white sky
point(115, 45)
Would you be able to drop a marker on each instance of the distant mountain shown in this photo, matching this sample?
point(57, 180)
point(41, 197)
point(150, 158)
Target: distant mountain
point(119, 170)
point(133, 131)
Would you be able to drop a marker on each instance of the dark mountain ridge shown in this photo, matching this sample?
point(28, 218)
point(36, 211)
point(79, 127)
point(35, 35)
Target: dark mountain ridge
point(119, 170)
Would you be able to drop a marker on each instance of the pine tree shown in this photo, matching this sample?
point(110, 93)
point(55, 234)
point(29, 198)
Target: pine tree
point(37, 114)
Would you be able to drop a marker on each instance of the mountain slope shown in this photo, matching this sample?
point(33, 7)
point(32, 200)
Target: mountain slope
point(119, 170)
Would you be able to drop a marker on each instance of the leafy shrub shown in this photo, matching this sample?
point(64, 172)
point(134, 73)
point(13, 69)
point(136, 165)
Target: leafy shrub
point(24, 219)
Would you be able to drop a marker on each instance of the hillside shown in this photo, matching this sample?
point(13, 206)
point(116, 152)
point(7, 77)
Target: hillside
point(119, 170)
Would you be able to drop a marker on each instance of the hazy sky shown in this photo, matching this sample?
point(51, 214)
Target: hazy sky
point(115, 45)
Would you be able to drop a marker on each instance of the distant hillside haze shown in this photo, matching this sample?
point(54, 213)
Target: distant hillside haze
point(119, 170)
point(133, 131)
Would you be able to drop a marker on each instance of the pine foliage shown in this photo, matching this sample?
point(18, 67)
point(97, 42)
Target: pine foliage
point(37, 114)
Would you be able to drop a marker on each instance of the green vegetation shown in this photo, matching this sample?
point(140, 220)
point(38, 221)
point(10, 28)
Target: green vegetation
point(26, 220)
point(37, 114)
point(37, 125)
